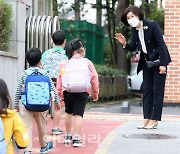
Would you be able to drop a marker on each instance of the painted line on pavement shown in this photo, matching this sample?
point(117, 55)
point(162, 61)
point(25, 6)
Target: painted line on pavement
point(108, 140)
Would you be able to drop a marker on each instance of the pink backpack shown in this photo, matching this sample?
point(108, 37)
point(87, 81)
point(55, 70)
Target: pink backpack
point(76, 77)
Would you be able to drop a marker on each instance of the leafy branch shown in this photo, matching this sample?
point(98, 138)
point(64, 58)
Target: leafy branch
point(5, 24)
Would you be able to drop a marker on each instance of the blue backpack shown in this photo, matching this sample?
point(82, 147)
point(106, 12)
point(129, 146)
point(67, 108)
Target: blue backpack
point(36, 93)
point(3, 147)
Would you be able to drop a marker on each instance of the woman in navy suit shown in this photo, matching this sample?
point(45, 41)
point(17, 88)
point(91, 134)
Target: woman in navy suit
point(154, 58)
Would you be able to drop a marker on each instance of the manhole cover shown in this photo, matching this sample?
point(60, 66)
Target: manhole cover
point(149, 136)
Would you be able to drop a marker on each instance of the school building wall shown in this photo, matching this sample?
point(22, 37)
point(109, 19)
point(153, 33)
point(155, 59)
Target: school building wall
point(12, 60)
point(172, 38)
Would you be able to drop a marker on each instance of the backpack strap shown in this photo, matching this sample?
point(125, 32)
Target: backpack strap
point(1, 129)
point(28, 72)
point(35, 72)
point(8, 143)
point(15, 145)
point(2, 139)
point(87, 63)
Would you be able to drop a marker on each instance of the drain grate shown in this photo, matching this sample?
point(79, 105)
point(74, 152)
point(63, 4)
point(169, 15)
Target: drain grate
point(149, 136)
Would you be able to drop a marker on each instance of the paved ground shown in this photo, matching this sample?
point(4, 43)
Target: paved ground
point(135, 108)
point(107, 131)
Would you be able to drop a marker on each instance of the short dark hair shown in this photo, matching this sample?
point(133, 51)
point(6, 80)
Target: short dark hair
point(33, 56)
point(58, 37)
point(4, 97)
point(135, 10)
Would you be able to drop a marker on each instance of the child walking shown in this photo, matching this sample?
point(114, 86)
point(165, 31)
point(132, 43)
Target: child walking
point(33, 57)
point(12, 123)
point(76, 94)
point(51, 60)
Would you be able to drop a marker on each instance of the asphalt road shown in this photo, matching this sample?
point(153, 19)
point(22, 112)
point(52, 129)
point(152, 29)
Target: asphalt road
point(134, 108)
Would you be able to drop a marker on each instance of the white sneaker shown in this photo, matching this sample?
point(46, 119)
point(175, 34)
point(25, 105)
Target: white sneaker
point(67, 138)
point(76, 142)
point(57, 131)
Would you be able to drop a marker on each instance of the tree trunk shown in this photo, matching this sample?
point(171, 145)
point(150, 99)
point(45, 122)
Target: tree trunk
point(99, 12)
point(147, 7)
point(159, 3)
point(122, 61)
point(113, 32)
point(109, 27)
point(55, 8)
point(122, 5)
point(77, 10)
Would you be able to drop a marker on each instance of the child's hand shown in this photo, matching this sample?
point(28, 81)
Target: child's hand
point(62, 103)
point(94, 97)
point(58, 106)
point(17, 109)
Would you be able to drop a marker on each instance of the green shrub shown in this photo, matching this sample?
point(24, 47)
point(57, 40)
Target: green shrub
point(109, 71)
point(108, 52)
point(5, 24)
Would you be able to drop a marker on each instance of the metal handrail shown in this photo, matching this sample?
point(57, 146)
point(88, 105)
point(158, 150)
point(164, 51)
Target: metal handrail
point(49, 35)
point(33, 27)
point(39, 30)
point(41, 41)
point(55, 23)
point(38, 21)
point(28, 31)
point(48, 20)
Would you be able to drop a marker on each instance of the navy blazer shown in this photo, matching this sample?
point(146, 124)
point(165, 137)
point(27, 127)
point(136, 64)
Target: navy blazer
point(154, 41)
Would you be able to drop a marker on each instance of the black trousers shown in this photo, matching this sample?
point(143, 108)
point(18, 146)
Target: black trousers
point(75, 102)
point(153, 92)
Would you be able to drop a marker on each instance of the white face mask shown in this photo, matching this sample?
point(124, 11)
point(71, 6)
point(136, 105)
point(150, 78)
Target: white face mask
point(133, 22)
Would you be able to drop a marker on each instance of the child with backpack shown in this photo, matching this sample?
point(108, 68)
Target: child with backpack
point(35, 88)
point(74, 82)
point(11, 125)
point(51, 60)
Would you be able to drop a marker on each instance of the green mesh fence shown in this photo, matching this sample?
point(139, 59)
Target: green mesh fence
point(91, 34)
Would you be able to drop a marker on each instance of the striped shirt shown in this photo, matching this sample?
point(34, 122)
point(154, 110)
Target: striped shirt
point(21, 82)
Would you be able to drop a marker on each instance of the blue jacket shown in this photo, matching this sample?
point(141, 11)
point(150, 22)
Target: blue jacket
point(155, 45)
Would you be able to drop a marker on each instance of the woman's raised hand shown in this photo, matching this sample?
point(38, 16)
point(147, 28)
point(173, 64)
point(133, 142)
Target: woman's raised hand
point(120, 38)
